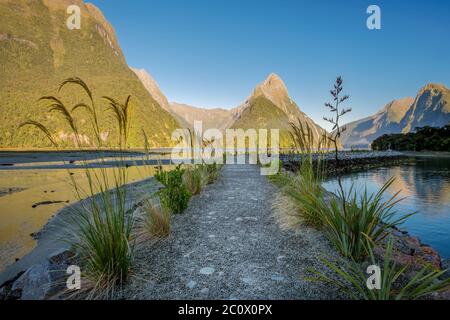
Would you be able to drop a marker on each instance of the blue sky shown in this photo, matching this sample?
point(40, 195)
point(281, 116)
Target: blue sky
point(212, 53)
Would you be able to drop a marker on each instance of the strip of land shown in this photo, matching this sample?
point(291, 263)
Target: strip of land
point(229, 245)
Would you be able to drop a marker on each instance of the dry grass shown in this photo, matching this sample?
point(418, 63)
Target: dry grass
point(154, 222)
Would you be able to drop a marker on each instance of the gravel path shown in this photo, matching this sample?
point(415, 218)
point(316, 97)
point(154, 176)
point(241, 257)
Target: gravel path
point(229, 245)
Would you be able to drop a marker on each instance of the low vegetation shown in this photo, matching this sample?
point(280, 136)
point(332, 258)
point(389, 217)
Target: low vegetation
point(104, 230)
point(175, 195)
point(351, 277)
point(423, 139)
point(155, 220)
point(354, 224)
point(181, 184)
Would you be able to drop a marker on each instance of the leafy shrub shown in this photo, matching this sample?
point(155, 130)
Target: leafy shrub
point(174, 196)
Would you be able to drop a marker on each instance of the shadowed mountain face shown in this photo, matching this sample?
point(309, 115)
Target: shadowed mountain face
point(38, 51)
point(184, 114)
point(387, 120)
point(431, 107)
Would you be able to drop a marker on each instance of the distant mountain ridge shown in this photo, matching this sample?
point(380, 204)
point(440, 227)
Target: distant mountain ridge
point(268, 107)
point(431, 107)
point(38, 51)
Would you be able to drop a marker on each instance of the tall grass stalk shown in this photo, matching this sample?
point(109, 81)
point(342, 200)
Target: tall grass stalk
point(100, 228)
point(367, 216)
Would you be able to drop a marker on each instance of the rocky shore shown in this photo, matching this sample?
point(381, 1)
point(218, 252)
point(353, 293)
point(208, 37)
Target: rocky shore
point(41, 273)
point(408, 250)
point(350, 161)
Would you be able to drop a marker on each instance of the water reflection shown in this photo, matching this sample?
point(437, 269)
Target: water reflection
point(426, 185)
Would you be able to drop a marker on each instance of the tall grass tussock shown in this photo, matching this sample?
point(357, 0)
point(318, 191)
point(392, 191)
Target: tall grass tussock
point(101, 228)
point(351, 278)
point(353, 224)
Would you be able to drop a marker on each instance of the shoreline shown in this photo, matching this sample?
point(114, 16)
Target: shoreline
point(49, 237)
point(48, 242)
point(408, 248)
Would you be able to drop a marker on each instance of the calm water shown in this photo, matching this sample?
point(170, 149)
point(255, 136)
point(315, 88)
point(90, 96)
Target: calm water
point(426, 184)
point(27, 179)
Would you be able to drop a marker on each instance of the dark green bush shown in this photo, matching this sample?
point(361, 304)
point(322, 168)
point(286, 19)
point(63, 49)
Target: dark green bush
point(174, 196)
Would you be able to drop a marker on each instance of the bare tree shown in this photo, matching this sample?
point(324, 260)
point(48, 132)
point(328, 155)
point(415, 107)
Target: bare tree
point(339, 111)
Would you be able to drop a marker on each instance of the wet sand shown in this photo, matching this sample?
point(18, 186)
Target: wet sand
point(38, 185)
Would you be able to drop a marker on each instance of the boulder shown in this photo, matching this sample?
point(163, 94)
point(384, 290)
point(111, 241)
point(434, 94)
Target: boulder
point(34, 284)
point(446, 266)
point(41, 281)
point(61, 256)
point(409, 250)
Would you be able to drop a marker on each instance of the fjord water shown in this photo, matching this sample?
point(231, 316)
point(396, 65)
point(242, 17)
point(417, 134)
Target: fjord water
point(425, 182)
point(34, 187)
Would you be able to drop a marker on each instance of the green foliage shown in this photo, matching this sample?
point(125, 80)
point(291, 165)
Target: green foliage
point(351, 277)
point(423, 139)
point(103, 235)
point(304, 188)
point(174, 196)
point(346, 220)
point(212, 172)
point(180, 184)
point(365, 217)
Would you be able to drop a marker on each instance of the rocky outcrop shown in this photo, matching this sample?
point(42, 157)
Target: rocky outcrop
point(46, 280)
point(408, 250)
point(430, 108)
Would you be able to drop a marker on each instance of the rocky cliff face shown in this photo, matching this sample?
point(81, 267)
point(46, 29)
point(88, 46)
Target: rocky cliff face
point(430, 108)
point(38, 51)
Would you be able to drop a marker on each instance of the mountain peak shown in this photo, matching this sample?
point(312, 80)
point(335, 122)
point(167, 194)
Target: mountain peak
point(274, 89)
point(431, 86)
point(273, 85)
